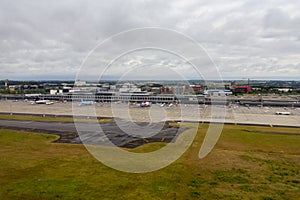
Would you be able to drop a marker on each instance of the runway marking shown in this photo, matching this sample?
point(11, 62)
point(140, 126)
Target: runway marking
point(26, 122)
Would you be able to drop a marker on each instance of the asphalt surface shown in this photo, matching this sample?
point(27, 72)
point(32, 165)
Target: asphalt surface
point(236, 114)
point(112, 134)
point(124, 134)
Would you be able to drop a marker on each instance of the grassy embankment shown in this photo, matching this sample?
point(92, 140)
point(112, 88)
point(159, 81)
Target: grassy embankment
point(243, 165)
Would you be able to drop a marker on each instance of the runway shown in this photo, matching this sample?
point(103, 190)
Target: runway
point(110, 134)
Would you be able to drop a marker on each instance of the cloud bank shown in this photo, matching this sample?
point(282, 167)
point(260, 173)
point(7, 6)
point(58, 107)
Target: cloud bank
point(49, 39)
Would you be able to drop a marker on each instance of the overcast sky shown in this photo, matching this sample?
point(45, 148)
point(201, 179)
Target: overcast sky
point(246, 39)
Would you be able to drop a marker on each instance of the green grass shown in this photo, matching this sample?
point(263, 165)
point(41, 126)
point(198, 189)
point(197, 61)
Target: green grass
point(243, 165)
point(35, 118)
point(46, 118)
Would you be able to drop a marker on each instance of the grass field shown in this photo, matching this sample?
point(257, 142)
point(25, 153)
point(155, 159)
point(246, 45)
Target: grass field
point(247, 163)
point(47, 118)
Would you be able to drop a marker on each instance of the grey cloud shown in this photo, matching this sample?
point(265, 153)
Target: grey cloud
point(53, 37)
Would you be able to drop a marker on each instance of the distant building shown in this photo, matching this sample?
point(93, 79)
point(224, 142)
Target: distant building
point(242, 88)
point(33, 86)
point(128, 87)
point(79, 83)
point(167, 90)
point(12, 88)
point(53, 92)
point(217, 92)
point(196, 88)
point(284, 89)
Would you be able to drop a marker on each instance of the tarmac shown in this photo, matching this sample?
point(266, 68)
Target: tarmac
point(132, 125)
point(233, 114)
point(111, 134)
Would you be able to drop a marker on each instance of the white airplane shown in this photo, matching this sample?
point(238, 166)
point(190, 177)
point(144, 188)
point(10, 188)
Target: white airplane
point(282, 113)
point(85, 103)
point(47, 102)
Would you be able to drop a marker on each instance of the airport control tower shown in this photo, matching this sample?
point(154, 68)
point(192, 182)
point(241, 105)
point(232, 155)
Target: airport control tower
point(6, 83)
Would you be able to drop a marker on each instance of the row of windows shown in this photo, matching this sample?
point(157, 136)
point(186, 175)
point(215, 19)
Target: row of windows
point(111, 98)
point(114, 98)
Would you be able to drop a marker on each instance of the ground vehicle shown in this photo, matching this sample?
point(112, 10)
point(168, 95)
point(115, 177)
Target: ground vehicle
point(145, 104)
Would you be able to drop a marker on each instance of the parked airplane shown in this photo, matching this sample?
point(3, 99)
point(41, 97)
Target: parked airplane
point(85, 103)
point(145, 104)
point(47, 102)
point(283, 113)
